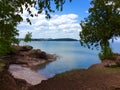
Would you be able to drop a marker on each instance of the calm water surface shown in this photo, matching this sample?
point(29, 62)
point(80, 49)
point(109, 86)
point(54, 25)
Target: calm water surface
point(71, 56)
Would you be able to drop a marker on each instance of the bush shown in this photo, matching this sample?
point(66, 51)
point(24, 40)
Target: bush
point(107, 54)
point(2, 64)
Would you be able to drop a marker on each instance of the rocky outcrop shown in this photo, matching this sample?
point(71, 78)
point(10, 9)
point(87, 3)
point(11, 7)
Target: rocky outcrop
point(17, 77)
point(27, 56)
point(23, 56)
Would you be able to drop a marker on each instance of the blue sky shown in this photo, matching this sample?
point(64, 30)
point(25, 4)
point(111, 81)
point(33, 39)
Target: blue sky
point(78, 7)
point(63, 24)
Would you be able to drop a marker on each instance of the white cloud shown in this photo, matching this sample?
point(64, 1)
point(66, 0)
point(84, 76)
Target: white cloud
point(87, 11)
point(59, 26)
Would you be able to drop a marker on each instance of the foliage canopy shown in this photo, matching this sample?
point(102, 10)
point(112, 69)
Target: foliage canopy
point(10, 17)
point(101, 25)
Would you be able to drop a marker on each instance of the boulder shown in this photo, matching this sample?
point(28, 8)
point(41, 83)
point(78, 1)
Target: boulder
point(43, 55)
point(35, 53)
point(51, 57)
point(38, 54)
point(26, 48)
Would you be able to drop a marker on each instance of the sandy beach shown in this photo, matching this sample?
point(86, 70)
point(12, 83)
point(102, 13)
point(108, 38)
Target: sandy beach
point(27, 74)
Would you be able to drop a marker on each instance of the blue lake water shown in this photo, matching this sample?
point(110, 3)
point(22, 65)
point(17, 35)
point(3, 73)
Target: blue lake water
point(71, 56)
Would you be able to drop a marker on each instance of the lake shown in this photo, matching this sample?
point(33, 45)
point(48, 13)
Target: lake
point(71, 56)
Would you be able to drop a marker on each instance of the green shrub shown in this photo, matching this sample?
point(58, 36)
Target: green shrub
point(2, 64)
point(107, 54)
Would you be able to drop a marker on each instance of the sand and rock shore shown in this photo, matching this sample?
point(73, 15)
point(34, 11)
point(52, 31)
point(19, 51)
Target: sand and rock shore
point(101, 76)
point(23, 59)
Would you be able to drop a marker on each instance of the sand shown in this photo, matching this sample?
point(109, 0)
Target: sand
point(27, 74)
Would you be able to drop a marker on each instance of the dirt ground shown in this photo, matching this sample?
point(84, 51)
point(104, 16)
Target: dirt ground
point(96, 77)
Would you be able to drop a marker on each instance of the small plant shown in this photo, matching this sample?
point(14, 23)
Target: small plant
point(2, 64)
point(106, 54)
point(28, 37)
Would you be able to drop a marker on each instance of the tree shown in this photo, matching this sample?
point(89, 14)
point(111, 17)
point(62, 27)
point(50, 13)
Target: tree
point(101, 25)
point(28, 37)
point(10, 17)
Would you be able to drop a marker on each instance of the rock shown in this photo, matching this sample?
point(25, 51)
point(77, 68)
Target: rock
point(38, 54)
point(19, 62)
point(51, 57)
point(27, 56)
point(43, 55)
point(35, 53)
point(26, 48)
point(110, 64)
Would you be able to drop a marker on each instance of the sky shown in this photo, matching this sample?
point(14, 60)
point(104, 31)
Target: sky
point(63, 24)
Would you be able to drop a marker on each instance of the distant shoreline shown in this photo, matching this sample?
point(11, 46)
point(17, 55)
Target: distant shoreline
point(50, 39)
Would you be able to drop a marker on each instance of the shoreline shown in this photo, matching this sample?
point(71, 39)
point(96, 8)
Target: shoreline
point(99, 74)
point(32, 77)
